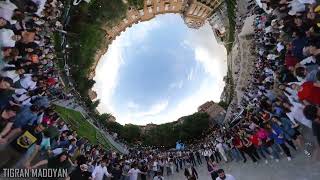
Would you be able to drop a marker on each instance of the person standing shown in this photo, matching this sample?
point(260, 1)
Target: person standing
point(192, 159)
point(100, 170)
point(144, 169)
point(278, 136)
point(190, 172)
point(212, 168)
point(223, 176)
point(19, 146)
point(134, 172)
point(158, 176)
point(198, 155)
point(219, 148)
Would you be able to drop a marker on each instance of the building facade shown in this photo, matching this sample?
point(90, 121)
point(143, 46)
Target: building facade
point(92, 94)
point(197, 11)
point(219, 22)
point(214, 110)
point(194, 13)
point(150, 10)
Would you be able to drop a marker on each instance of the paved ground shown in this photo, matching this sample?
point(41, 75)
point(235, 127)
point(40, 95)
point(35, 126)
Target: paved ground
point(300, 168)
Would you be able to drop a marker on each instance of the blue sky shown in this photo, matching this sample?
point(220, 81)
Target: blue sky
point(160, 70)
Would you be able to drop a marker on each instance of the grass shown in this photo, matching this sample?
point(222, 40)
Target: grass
point(82, 126)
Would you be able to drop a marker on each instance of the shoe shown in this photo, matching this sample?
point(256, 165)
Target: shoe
point(266, 161)
point(277, 160)
point(306, 152)
point(289, 158)
point(271, 157)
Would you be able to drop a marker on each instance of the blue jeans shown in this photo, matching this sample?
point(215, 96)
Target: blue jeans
point(275, 151)
point(236, 154)
point(263, 151)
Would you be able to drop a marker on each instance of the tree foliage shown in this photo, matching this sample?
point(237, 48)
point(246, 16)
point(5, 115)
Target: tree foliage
point(167, 134)
point(138, 4)
point(86, 36)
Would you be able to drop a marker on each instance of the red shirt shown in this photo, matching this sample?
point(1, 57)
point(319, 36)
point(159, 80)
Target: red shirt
point(51, 81)
point(254, 139)
point(236, 141)
point(310, 93)
point(290, 61)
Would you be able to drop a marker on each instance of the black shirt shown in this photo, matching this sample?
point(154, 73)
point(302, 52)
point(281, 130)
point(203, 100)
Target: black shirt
point(316, 130)
point(116, 173)
point(77, 174)
point(29, 137)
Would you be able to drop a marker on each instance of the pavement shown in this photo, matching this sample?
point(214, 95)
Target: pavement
point(299, 168)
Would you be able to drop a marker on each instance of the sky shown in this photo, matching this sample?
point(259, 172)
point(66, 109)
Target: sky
point(160, 70)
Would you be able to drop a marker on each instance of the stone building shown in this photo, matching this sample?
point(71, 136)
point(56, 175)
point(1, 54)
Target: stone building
point(214, 110)
point(194, 13)
point(147, 128)
point(219, 22)
point(92, 94)
point(150, 10)
point(197, 11)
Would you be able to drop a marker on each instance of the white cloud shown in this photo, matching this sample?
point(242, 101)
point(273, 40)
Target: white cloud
point(178, 84)
point(107, 76)
point(107, 71)
point(207, 53)
point(190, 75)
point(132, 105)
point(155, 109)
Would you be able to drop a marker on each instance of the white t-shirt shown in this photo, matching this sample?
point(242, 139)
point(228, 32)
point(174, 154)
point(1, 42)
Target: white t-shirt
point(219, 147)
point(228, 177)
point(133, 173)
point(27, 82)
point(6, 11)
point(155, 166)
point(99, 172)
point(5, 38)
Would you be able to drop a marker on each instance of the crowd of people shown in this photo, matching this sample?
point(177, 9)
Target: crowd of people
point(282, 101)
point(280, 105)
point(32, 135)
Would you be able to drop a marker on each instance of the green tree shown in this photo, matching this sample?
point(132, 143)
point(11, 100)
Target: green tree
point(138, 4)
point(223, 104)
point(131, 133)
point(94, 105)
point(167, 134)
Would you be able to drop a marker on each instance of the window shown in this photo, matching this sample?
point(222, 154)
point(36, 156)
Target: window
point(141, 12)
point(166, 7)
point(173, 7)
point(195, 12)
point(150, 9)
point(125, 21)
point(148, 2)
point(158, 8)
point(204, 14)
